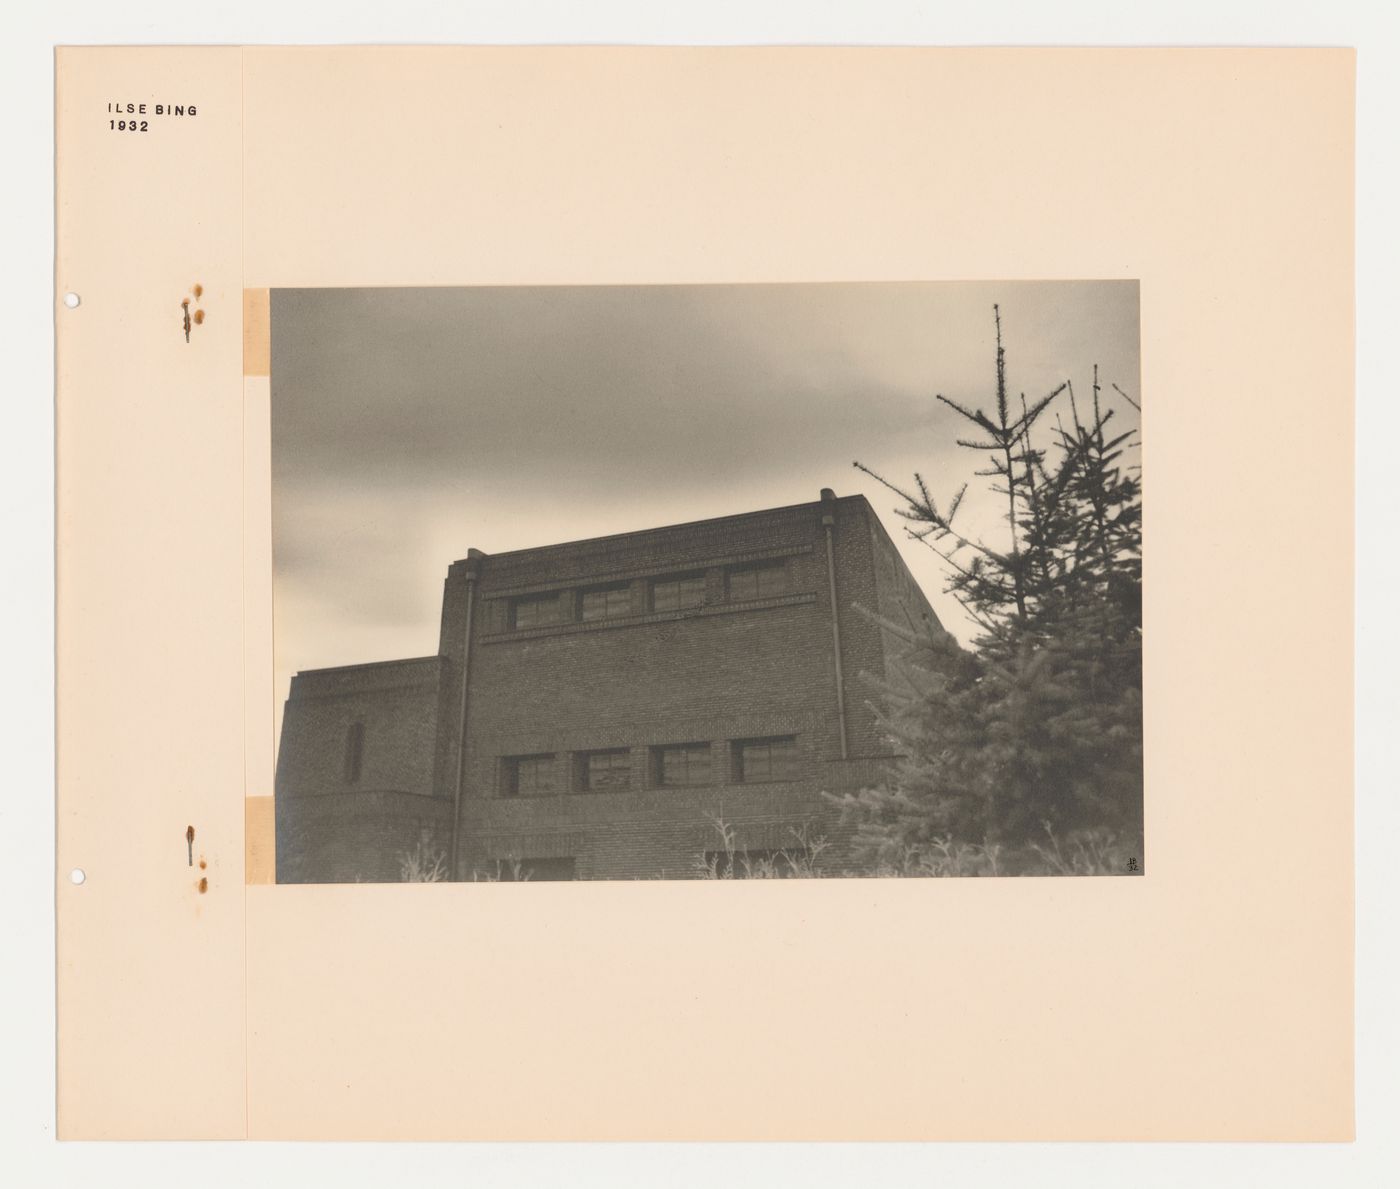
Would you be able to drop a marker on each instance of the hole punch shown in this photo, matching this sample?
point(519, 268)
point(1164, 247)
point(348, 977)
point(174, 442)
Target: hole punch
point(78, 875)
point(72, 300)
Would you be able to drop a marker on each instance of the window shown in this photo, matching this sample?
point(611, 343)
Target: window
point(607, 771)
point(681, 765)
point(758, 760)
point(528, 776)
point(354, 752)
point(534, 611)
point(605, 602)
point(531, 870)
point(673, 594)
point(758, 581)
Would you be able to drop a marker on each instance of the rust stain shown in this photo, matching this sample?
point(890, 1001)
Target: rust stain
point(189, 843)
point(197, 318)
point(203, 886)
point(202, 864)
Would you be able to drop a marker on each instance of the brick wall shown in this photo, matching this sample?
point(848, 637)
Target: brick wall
point(727, 671)
point(396, 702)
point(897, 596)
point(738, 666)
point(358, 836)
point(334, 825)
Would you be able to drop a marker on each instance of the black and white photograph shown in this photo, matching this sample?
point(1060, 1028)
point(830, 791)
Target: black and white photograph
point(697, 478)
point(707, 582)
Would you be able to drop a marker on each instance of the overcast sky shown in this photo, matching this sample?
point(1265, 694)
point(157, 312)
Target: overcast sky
point(411, 424)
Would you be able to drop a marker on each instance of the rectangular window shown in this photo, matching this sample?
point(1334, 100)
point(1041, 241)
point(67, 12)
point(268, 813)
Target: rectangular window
point(528, 776)
point(758, 581)
point(607, 771)
point(527, 870)
point(534, 611)
point(681, 765)
point(675, 594)
point(605, 602)
point(760, 760)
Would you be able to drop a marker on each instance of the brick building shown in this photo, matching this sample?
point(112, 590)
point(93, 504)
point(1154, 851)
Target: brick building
point(594, 708)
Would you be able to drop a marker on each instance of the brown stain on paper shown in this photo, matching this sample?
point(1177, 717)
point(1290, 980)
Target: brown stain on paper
point(197, 318)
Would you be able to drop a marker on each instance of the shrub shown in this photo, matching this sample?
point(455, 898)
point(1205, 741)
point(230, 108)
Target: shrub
point(1022, 755)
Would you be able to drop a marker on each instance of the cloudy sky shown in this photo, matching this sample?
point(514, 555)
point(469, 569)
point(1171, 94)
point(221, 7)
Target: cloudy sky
point(411, 424)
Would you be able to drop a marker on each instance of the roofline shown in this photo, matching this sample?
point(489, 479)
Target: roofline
point(410, 660)
point(661, 528)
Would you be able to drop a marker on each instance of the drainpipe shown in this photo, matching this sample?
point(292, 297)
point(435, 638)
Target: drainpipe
point(828, 523)
point(473, 571)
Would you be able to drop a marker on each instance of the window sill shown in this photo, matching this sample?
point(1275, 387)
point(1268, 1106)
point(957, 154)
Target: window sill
point(765, 783)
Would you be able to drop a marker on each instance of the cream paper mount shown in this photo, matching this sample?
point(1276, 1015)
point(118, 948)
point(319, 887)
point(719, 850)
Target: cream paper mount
point(1210, 999)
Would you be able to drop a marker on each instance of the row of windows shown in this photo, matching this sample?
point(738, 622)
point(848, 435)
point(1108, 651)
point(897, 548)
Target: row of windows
point(677, 765)
point(672, 593)
point(610, 769)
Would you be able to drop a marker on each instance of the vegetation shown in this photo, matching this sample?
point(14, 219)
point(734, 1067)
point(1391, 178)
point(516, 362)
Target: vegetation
point(1022, 755)
point(729, 861)
point(422, 864)
point(510, 870)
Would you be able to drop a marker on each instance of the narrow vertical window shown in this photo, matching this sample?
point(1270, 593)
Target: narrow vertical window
point(354, 752)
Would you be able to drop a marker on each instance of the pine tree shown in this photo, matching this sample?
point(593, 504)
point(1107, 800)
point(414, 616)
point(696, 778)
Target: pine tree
point(1023, 754)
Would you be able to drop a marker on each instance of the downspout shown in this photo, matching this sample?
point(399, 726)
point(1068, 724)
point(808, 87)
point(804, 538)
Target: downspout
point(473, 572)
point(828, 522)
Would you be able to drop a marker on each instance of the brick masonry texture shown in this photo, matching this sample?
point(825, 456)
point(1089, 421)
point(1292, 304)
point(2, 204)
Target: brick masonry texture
point(725, 670)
